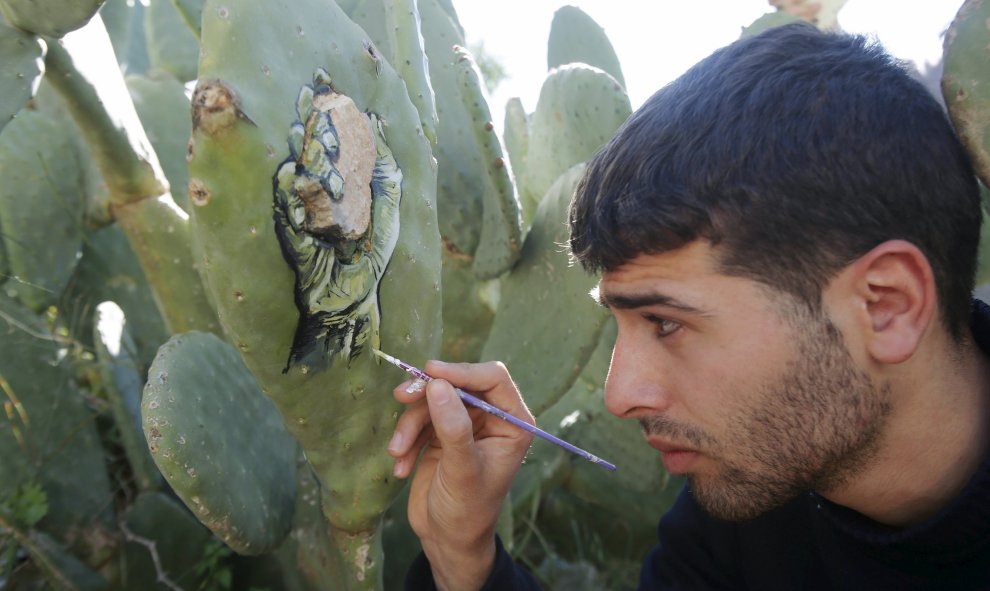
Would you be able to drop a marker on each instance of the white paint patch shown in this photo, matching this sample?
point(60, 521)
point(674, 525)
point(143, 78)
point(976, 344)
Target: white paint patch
point(570, 419)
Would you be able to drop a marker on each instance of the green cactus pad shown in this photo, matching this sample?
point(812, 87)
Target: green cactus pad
point(501, 222)
point(41, 206)
point(403, 24)
point(192, 13)
point(575, 37)
point(180, 542)
point(47, 435)
point(163, 108)
point(339, 415)
point(769, 21)
point(635, 495)
point(516, 135)
point(467, 180)
point(172, 46)
point(967, 54)
point(579, 109)
point(122, 376)
point(219, 442)
point(4, 265)
point(60, 568)
point(467, 315)
point(124, 21)
point(23, 56)
point(548, 466)
point(461, 167)
point(109, 271)
point(546, 325)
point(51, 18)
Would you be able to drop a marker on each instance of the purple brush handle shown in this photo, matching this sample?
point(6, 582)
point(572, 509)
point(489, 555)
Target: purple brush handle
point(479, 403)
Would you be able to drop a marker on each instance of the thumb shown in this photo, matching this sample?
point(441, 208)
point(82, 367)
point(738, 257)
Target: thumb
point(452, 426)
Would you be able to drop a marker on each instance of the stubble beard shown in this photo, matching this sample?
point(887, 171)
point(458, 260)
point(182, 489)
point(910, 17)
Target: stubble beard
point(817, 426)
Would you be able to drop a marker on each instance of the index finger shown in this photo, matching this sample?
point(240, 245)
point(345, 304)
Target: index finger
point(490, 380)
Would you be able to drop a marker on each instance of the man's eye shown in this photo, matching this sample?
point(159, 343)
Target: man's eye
point(664, 327)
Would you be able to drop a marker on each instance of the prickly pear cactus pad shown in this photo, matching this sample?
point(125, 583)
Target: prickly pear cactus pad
point(338, 170)
point(967, 52)
point(52, 18)
point(258, 56)
point(546, 325)
point(576, 37)
point(39, 164)
point(219, 442)
point(579, 109)
point(23, 66)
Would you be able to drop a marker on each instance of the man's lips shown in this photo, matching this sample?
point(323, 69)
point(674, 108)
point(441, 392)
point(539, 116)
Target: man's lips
point(677, 458)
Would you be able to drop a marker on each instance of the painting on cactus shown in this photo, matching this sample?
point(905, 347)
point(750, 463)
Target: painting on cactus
point(337, 222)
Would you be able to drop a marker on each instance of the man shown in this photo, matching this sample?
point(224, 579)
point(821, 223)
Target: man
point(787, 238)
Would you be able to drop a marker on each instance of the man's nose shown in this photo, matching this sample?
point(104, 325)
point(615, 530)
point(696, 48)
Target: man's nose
point(634, 387)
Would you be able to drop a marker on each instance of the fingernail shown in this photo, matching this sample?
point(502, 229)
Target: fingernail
point(441, 395)
point(396, 443)
point(397, 470)
point(416, 386)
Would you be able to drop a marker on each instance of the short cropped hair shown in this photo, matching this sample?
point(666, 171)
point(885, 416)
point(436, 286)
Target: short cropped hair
point(794, 153)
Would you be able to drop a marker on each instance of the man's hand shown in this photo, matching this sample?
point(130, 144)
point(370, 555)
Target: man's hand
point(465, 473)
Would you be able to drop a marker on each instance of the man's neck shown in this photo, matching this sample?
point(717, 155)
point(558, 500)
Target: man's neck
point(937, 435)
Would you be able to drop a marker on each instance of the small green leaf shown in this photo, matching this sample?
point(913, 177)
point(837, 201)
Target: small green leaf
point(31, 504)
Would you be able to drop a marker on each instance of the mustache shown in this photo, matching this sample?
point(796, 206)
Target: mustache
point(667, 428)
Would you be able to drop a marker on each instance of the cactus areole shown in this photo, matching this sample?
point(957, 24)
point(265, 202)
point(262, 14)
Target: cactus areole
point(336, 210)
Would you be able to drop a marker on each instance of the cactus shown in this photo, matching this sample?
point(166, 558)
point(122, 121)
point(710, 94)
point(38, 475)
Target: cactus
point(172, 45)
point(191, 12)
point(404, 30)
point(501, 224)
point(23, 55)
point(516, 134)
point(244, 130)
point(109, 271)
point(163, 108)
point(124, 21)
point(164, 542)
point(480, 227)
point(579, 109)
point(39, 164)
point(156, 229)
point(47, 435)
point(576, 38)
point(52, 18)
point(122, 381)
point(62, 569)
point(769, 21)
point(200, 398)
point(964, 82)
point(312, 215)
point(822, 14)
point(529, 317)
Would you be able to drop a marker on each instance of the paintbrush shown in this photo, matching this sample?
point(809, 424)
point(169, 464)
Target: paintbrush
point(479, 403)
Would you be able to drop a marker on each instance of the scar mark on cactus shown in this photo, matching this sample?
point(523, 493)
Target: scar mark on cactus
point(336, 210)
point(199, 194)
point(216, 107)
point(375, 57)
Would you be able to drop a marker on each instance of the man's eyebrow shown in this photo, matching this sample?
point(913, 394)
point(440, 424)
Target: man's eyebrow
point(633, 301)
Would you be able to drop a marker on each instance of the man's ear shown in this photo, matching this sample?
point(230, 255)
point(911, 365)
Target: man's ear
point(896, 287)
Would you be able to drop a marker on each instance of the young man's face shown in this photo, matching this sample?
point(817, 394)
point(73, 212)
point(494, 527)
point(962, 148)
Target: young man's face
point(746, 392)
